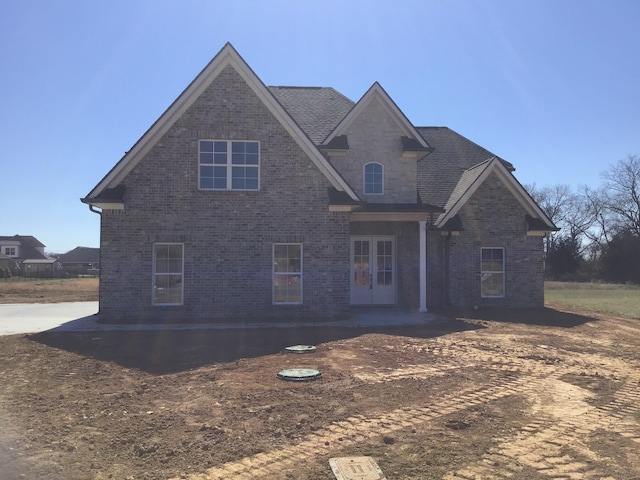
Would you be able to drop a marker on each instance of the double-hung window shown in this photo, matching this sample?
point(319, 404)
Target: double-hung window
point(229, 165)
point(373, 179)
point(168, 273)
point(287, 273)
point(492, 272)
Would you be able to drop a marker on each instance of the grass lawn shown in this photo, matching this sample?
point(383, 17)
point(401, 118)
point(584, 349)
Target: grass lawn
point(619, 300)
point(24, 290)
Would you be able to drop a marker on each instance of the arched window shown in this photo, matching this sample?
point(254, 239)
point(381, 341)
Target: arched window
point(373, 179)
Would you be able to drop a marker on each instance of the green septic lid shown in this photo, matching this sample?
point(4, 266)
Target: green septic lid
point(299, 374)
point(301, 349)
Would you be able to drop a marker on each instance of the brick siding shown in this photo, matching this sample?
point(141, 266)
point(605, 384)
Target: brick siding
point(227, 235)
point(375, 137)
point(494, 218)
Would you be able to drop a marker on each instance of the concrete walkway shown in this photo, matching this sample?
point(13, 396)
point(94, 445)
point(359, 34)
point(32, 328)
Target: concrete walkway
point(37, 317)
point(82, 317)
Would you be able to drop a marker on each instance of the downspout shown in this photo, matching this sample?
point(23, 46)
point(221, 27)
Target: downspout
point(99, 212)
point(447, 266)
point(423, 265)
point(92, 208)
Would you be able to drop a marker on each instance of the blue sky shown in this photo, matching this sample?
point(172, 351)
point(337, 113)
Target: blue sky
point(551, 86)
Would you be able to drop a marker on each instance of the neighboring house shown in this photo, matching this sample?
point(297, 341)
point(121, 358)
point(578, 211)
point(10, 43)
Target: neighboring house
point(243, 200)
point(81, 261)
point(5, 265)
point(27, 258)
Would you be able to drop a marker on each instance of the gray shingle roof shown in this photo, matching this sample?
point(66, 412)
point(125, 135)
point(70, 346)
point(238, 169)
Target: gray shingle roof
point(81, 255)
point(441, 170)
point(28, 246)
point(317, 110)
point(466, 180)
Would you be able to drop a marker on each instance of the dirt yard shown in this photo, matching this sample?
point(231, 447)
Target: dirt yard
point(529, 396)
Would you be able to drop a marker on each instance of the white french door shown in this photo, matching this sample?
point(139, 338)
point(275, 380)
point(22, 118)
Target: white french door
point(373, 270)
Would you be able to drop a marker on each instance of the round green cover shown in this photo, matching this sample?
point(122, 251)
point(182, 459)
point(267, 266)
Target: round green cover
point(299, 374)
point(301, 349)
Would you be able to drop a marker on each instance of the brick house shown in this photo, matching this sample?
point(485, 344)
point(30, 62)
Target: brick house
point(245, 201)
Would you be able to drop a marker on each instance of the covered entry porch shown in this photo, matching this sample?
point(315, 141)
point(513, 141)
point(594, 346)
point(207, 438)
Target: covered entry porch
point(388, 255)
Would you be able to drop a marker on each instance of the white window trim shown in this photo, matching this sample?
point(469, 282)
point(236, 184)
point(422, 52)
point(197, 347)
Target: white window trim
point(364, 178)
point(274, 273)
point(503, 272)
point(15, 251)
point(153, 278)
point(229, 166)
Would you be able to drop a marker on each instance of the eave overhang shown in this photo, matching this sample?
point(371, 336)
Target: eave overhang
point(103, 205)
point(537, 227)
point(412, 148)
point(452, 227)
point(108, 199)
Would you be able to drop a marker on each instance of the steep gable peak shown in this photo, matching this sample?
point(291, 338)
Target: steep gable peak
point(474, 176)
point(378, 94)
point(226, 57)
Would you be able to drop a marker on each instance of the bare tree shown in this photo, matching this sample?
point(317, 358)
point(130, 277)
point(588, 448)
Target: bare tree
point(568, 210)
point(599, 233)
point(621, 194)
point(553, 200)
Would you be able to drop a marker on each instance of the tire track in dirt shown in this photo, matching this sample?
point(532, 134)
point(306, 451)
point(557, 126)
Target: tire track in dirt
point(540, 445)
point(357, 429)
point(543, 444)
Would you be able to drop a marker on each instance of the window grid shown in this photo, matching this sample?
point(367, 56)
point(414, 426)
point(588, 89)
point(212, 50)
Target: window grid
point(361, 262)
point(168, 274)
point(385, 262)
point(229, 165)
point(373, 179)
point(287, 273)
point(492, 283)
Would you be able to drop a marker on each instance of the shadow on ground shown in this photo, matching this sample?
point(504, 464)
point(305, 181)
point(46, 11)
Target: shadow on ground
point(548, 317)
point(169, 351)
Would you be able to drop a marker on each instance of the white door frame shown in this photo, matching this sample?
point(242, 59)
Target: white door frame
point(368, 291)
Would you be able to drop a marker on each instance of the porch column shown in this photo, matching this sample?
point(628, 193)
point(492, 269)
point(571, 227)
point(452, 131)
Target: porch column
point(423, 266)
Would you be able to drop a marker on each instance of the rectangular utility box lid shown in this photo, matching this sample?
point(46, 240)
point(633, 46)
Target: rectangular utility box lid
point(356, 468)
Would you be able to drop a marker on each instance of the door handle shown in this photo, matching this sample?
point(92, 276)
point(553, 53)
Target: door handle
point(371, 281)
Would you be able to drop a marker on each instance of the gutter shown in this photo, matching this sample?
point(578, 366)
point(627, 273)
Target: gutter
point(93, 209)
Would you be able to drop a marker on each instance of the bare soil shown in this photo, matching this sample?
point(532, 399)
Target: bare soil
point(530, 395)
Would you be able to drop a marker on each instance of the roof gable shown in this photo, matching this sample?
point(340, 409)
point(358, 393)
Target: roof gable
point(474, 177)
point(377, 93)
point(228, 56)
